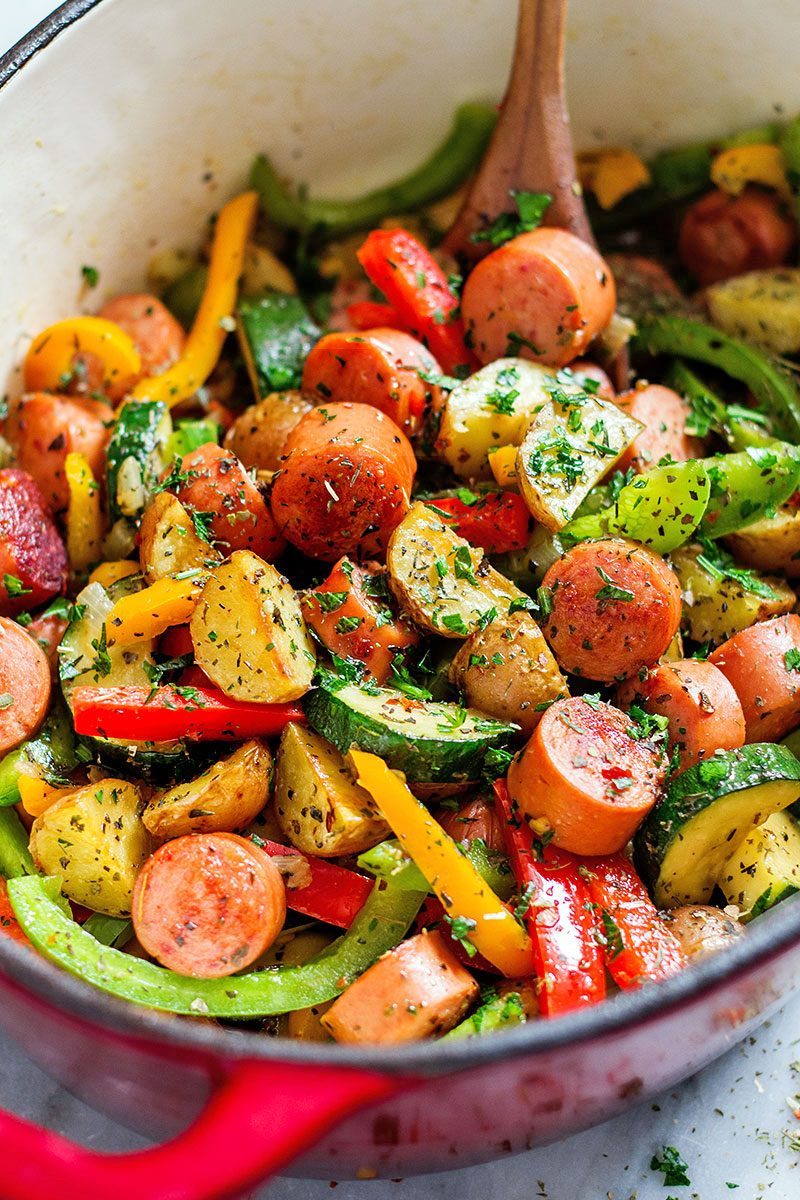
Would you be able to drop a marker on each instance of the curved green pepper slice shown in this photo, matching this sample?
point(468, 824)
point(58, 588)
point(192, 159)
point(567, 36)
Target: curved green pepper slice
point(446, 168)
point(773, 388)
point(379, 926)
point(15, 857)
point(660, 508)
point(747, 486)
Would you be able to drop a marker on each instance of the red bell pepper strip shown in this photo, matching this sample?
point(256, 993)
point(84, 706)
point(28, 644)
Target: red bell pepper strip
point(498, 522)
point(416, 287)
point(201, 714)
point(568, 959)
point(639, 945)
point(335, 894)
point(367, 314)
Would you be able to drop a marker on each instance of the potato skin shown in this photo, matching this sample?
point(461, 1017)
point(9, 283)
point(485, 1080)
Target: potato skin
point(226, 797)
point(713, 610)
point(772, 544)
point(319, 808)
point(257, 436)
point(168, 542)
point(249, 614)
point(508, 671)
point(702, 929)
point(96, 842)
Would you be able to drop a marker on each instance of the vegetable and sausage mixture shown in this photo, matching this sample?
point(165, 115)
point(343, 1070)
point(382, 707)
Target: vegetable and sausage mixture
point(395, 649)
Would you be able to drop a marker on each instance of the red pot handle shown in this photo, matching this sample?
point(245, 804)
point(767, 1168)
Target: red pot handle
point(260, 1118)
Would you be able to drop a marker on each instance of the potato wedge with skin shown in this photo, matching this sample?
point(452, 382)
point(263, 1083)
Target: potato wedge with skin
point(508, 671)
point(258, 434)
point(319, 807)
point(225, 798)
point(715, 609)
point(772, 544)
point(762, 307)
point(567, 450)
point(493, 408)
point(248, 632)
point(444, 584)
point(94, 840)
point(169, 542)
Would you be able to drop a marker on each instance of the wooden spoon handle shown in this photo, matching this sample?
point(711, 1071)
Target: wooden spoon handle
point(531, 147)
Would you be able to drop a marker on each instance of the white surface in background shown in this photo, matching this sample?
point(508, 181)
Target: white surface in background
point(732, 1123)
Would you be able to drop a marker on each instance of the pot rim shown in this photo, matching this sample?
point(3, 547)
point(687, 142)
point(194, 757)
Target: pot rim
point(764, 942)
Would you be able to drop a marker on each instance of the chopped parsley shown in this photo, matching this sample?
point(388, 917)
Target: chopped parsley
point(455, 622)
point(502, 399)
point(720, 565)
point(462, 565)
point(404, 681)
point(347, 624)
point(610, 937)
point(329, 601)
point(611, 591)
point(91, 276)
point(531, 207)
point(791, 659)
point(672, 1166)
point(461, 928)
point(15, 587)
point(202, 524)
point(496, 762)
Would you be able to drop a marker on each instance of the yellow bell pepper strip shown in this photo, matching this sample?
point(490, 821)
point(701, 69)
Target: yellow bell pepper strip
point(493, 930)
point(207, 335)
point(611, 174)
point(84, 514)
point(48, 363)
point(36, 796)
point(146, 614)
point(733, 169)
point(503, 462)
point(111, 572)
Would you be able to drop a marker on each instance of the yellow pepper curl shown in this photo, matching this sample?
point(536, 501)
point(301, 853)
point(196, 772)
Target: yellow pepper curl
point(493, 930)
point(760, 163)
point(207, 335)
point(84, 514)
point(49, 361)
point(148, 613)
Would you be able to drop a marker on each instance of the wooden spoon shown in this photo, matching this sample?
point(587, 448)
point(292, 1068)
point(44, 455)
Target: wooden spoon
point(531, 147)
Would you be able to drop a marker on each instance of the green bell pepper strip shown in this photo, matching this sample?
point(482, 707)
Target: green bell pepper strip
point(748, 486)
point(387, 861)
point(789, 142)
point(188, 436)
point(660, 508)
point(380, 925)
point(50, 755)
point(757, 135)
point(443, 172)
point(500, 1012)
point(182, 297)
point(109, 931)
point(15, 857)
point(774, 389)
point(710, 414)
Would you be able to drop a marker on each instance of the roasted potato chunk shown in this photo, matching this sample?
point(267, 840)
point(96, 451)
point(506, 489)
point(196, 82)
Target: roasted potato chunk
point(772, 544)
point(702, 929)
point(714, 609)
point(319, 807)
point(226, 797)
point(96, 842)
point(444, 584)
point(248, 632)
point(568, 448)
point(508, 671)
point(257, 436)
point(169, 542)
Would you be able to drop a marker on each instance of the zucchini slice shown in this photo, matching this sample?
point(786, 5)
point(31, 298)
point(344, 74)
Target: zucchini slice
point(685, 842)
point(765, 868)
point(429, 741)
point(275, 334)
point(136, 457)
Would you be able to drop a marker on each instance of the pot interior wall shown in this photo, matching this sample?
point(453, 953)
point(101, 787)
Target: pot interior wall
point(122, 135)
